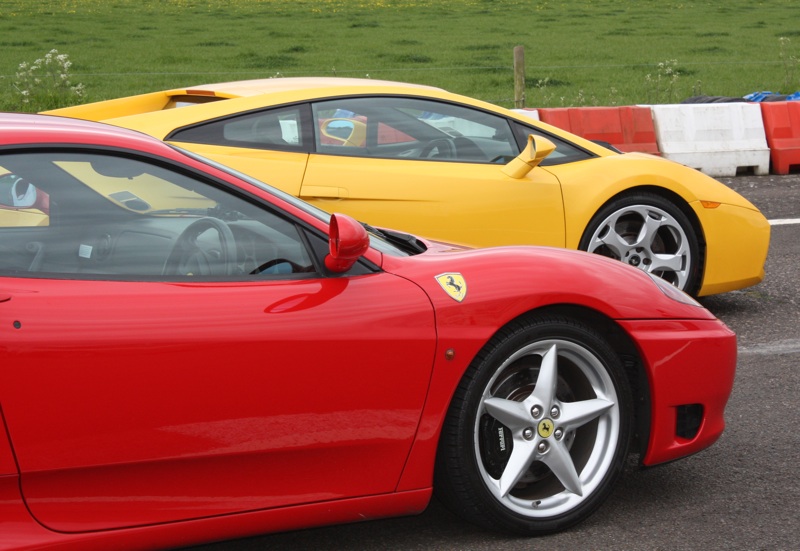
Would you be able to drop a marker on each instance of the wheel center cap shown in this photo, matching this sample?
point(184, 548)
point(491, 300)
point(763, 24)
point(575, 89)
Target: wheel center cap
point(634, 260)
point(545, 428)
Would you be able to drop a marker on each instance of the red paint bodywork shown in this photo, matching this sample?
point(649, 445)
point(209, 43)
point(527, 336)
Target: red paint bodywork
point(154, 414)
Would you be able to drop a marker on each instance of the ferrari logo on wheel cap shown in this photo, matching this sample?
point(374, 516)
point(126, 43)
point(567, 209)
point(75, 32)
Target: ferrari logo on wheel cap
point(545, 428)
point(454, 285)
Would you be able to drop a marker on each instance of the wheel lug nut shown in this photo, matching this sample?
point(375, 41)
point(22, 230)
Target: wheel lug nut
point(536, 411)
point(527, 434)
point(559, 434)
point(554, 412)
point(542, 447)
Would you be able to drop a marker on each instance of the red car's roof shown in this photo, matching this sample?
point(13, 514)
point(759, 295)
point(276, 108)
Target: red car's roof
point(22, 128)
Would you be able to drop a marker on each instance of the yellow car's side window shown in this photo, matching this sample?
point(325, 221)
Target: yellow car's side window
point(270, 129)
point(411, 128)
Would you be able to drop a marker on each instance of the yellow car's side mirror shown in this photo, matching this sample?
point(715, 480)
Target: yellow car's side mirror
point(537, 149)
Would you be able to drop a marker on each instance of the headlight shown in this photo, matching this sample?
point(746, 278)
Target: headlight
point(673, 292)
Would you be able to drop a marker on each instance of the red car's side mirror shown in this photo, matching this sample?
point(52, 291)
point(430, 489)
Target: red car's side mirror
point(348, 240)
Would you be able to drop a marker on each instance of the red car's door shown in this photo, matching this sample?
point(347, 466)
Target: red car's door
point(134, 403)
point(134, 399)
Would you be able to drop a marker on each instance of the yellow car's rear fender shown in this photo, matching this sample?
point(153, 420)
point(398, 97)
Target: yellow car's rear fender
point(589, 185)
point(732, 234)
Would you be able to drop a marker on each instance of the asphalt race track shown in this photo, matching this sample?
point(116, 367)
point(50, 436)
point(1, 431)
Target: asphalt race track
point(742, 493)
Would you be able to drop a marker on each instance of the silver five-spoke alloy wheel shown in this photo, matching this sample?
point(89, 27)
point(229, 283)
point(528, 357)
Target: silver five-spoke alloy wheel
point(543, 428)
point(539, 428)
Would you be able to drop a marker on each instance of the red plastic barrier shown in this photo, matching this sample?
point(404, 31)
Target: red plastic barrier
point(782, 126)
point(628, 128)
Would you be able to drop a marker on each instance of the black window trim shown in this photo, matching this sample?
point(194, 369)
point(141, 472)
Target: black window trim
point(309, 130)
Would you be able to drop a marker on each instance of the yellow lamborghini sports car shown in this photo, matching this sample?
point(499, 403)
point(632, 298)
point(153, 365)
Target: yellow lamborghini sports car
point(456, 169)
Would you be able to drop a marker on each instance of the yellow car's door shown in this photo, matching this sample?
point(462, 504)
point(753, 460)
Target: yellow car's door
point(431, 168)
point(474, 204)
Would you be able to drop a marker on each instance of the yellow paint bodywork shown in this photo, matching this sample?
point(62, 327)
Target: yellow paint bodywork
point(469, 203)
point(609, 176)
point(739, 249)
point(440, 200)
point(281, 169)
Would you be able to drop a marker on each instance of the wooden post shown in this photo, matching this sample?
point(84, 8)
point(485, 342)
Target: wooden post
point(519, 77)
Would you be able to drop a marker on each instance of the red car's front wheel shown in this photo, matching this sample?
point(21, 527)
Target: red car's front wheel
point(539, 428)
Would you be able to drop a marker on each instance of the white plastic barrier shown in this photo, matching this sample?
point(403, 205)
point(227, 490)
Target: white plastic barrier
point(717, 138)
point(532, 113)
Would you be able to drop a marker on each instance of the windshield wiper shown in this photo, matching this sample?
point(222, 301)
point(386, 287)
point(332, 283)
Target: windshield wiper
point(405, 241)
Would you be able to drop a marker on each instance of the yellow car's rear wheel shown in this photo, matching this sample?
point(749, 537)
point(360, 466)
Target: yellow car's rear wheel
point(648, 232)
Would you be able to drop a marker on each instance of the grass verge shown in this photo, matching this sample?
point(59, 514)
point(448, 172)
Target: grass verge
point(578, 52)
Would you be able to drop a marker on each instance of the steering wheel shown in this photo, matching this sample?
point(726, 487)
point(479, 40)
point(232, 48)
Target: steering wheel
point(445, 148)
point(280, 266)
point(188, 258)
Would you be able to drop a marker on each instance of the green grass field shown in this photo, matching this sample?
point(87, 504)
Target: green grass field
point(577, 52)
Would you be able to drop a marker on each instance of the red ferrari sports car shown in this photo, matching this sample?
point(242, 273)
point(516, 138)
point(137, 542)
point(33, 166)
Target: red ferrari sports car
point(189, 355)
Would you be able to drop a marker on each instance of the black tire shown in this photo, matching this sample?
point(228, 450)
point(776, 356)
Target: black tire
point(477, 468)
point(668, 247)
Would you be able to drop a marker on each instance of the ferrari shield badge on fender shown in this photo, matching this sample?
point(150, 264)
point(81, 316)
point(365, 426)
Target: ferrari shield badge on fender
point(454, 285)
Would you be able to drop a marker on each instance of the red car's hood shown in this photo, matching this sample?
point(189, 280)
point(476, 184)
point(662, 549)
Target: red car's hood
point(519, 279)
point(437, 247)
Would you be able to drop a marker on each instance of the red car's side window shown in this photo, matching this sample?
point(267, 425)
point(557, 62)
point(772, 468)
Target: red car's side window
point(92, 215)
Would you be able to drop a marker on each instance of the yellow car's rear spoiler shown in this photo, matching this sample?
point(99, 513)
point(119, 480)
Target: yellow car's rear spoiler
point(135, 105)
